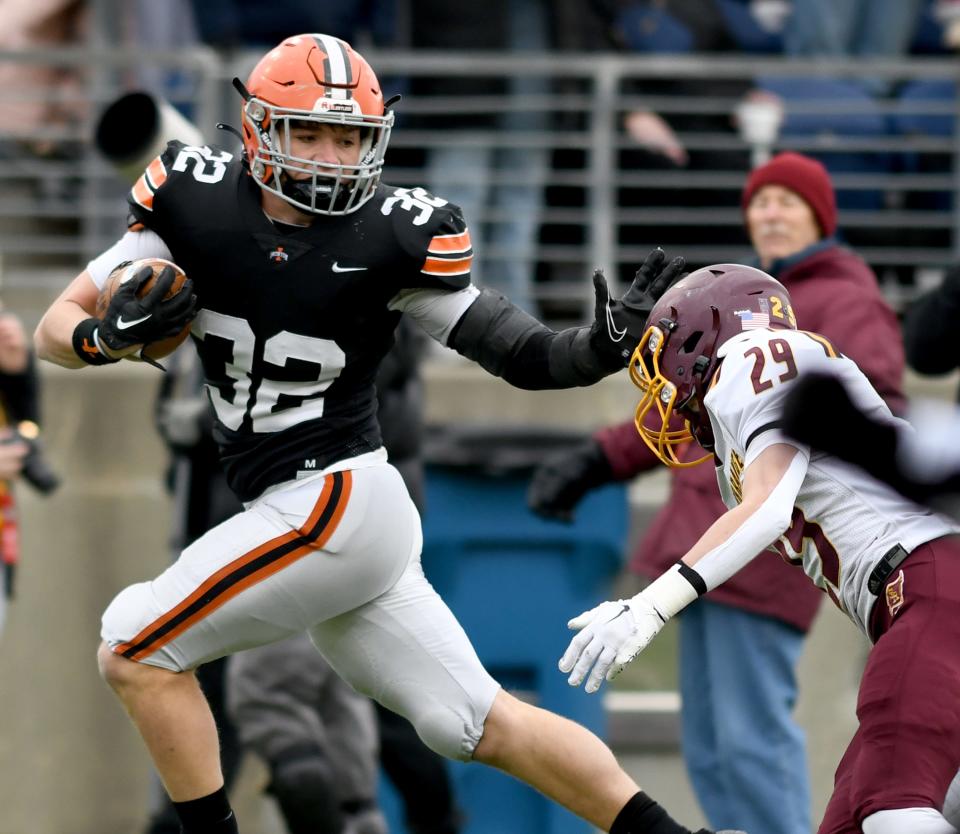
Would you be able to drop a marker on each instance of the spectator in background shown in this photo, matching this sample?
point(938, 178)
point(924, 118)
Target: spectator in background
point(684, 137)
point(854, 28)
point(739, 645)
point(498, 183)
point(931, 328)
point(20, 456)
point(248, 23)
point(317, 736)
point(40, 97)
point(947, 12)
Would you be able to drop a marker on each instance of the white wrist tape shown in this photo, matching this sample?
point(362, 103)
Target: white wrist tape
point(670, 592)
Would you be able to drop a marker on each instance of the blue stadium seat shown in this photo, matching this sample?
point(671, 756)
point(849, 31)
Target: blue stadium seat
point(910, 120)
point(935, 90)
point(849, 111)
point(647, 28)
point(749, 35)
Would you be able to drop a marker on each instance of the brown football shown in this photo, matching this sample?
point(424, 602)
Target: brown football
point(125, 272)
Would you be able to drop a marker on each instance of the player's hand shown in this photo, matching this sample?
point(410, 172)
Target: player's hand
point(131, 321)
point(564, 478)
point(618, 324)
point(610, 636)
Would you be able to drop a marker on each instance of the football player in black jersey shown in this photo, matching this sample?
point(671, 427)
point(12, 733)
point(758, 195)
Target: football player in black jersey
point(302, 262)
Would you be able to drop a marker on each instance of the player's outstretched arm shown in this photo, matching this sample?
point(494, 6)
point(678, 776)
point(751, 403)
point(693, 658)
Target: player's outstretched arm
point(839, 427)
point(515, 346)
point(614, 633)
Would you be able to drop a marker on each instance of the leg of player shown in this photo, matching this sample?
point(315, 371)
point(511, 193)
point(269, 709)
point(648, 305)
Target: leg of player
point(557, 756)
point(406, 648)
point(569, 764)
point(174, 719)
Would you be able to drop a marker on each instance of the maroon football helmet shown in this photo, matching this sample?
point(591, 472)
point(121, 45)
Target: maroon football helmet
point(676, 360)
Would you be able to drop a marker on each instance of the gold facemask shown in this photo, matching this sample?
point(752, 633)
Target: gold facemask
point(657, 391)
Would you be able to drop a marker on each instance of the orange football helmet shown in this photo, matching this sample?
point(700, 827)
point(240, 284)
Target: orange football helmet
point(322, 79)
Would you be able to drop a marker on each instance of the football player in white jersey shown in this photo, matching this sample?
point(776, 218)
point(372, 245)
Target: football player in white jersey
point(719, 354)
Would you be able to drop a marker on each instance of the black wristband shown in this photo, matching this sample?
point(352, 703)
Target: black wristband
point(642, 815)
point(85, 343)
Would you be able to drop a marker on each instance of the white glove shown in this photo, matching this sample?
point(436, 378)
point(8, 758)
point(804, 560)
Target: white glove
point(611, 635)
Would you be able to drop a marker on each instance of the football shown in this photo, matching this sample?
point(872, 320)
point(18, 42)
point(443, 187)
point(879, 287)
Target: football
point(125, 272)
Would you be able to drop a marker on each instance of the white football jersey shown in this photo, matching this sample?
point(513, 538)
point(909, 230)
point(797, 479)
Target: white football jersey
point(844, 521)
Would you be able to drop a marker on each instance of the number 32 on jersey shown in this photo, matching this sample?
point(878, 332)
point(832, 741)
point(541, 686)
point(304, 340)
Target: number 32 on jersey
point(301, 398)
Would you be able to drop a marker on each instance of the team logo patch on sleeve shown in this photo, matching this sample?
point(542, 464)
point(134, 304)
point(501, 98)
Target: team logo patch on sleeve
point(145, 187)
point(449, 255)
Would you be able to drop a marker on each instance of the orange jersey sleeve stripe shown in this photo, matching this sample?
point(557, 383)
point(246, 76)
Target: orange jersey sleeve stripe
point(156, 173)
point(448, 244)
point(142, 193)
point(435, 266)
point(247, 570)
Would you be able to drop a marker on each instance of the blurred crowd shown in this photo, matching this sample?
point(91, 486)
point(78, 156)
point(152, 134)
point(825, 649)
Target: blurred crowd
point(682, 143)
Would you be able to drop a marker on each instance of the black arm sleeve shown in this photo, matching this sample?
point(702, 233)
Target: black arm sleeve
point(931, 329)
point(512, 344)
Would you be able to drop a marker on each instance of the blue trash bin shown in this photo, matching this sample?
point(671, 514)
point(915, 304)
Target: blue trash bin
point(513, 580)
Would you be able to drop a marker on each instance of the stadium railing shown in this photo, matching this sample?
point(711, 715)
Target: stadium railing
point(893, 156)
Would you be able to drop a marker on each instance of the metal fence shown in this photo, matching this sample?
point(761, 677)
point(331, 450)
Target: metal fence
point(579, 192)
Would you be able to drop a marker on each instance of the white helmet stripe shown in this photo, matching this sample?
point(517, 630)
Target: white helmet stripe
point(337, 65)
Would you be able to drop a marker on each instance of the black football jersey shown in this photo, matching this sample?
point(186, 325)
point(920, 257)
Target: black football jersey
point(293, 322)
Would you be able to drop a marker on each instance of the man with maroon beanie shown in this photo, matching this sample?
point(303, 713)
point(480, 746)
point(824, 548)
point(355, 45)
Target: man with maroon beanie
point(740, 644)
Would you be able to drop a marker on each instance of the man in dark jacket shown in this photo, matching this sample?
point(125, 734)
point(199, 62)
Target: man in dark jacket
point(739, 646)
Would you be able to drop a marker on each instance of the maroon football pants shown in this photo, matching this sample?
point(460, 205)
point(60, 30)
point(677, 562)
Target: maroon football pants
point(907, 748)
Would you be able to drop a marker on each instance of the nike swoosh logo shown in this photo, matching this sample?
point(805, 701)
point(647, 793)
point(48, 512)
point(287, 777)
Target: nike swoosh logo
point(337, 268)
point(616, 334)
point(123, 325)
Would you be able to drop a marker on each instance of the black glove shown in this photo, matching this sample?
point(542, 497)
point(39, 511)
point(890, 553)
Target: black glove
point(562, 480)
point(618, 324)
point(130, 320)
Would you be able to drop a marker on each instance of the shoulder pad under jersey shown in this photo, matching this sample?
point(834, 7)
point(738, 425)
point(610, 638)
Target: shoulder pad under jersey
point(434, 234)
point(757, 370)
point(192, 163)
